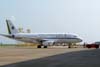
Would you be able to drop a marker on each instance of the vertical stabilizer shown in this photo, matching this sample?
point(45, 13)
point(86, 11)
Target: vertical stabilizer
point(11, 27)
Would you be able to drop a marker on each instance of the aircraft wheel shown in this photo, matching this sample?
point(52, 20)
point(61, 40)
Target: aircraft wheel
point(45, 46)
point(39, 46)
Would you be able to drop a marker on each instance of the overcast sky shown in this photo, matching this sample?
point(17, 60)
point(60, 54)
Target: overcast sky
point(81, 17)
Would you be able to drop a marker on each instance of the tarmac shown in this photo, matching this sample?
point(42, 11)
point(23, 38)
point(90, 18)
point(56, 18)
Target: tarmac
point(50, 57)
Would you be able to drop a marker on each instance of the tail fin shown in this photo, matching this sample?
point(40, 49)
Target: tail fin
point(11, 27)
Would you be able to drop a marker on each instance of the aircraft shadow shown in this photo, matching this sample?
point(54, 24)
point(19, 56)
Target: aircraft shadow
point(86, 58)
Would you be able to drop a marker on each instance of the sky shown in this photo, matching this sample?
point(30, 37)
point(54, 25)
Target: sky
point(80, 17)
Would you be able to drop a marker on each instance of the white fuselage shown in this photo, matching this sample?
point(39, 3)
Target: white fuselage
point(31, 37)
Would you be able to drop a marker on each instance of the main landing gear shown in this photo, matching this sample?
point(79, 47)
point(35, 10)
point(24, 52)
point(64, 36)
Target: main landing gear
point(45, 46)
point(40, 46)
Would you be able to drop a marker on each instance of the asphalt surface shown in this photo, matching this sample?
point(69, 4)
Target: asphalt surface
point(62, 57)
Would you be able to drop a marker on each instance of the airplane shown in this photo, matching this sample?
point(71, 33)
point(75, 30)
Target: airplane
point(40, 38)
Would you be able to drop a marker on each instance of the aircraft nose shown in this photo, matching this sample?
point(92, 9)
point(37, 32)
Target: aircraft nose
point(80, 40)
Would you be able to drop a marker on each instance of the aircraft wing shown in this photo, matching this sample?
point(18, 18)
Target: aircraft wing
point(27, 39)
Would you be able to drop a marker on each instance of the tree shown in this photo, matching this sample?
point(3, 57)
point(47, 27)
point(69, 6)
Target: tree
point(20, 30)
point(28, 31)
